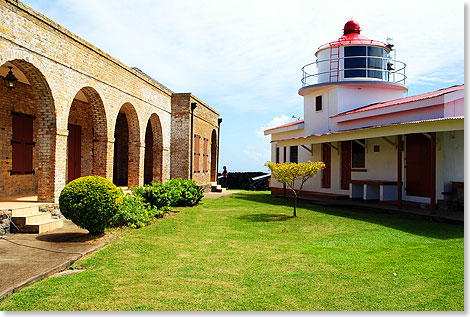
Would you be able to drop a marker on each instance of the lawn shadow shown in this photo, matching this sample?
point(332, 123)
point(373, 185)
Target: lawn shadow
point(388, 218)
point(265, 217)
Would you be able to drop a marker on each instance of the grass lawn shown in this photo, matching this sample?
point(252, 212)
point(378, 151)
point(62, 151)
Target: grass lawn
point(245, 252)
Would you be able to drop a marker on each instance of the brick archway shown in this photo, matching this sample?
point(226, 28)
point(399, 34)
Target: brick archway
point(127, 148)
point(30, 108)
point(87, 139)
point(153, 163)
point(214, 156)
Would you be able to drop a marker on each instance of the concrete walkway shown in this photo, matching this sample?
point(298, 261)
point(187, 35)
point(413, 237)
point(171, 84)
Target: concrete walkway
point(215, 195)
point(26, 258)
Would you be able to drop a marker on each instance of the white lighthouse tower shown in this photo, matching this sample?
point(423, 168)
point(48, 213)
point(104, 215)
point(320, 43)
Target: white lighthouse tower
point(349, 73)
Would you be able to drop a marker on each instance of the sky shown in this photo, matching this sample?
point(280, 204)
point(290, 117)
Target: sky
point(244, 57)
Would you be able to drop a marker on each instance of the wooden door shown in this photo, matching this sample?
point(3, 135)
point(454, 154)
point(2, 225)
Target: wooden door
point(345, 164)
point(74, 143)
point(22, 144)
point(417, 165)
point(326, 173)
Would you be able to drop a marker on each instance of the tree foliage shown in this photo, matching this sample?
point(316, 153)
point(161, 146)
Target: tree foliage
point(289, 173)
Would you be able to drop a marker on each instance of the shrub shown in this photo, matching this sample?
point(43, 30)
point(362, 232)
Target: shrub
point(154, 194)
point(90, 202)
point(183, 192)
point(136, 213)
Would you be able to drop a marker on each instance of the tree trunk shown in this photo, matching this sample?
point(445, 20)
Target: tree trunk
point(295, 205)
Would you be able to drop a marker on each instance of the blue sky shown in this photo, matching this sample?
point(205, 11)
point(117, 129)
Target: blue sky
point(244, 57)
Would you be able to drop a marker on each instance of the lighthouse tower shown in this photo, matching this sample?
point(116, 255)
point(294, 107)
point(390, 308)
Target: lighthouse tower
point(349, 73)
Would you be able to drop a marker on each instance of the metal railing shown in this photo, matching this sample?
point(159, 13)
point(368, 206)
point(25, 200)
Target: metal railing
point(376, 68)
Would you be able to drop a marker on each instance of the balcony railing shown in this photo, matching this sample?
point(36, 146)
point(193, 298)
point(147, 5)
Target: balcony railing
point(354, 68)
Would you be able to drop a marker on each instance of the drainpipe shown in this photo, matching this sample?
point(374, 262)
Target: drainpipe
point(193, 106)
point(218, 145)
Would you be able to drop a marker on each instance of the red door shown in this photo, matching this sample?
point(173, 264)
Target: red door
point(326, 173)
point(345, 164)
point(418, 165)
point(75, 152)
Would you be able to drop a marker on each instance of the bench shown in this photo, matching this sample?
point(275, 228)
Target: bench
point(373, 190)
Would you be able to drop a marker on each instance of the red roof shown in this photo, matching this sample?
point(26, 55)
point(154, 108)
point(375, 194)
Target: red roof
point(286, 125)
point(352, 36)
point(374, 127)
point(400, 101)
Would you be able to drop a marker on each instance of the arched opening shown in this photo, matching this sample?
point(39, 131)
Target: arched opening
point(149, 149)
point(87, 129)
point(214, 156)
point(27, 134)
point(126, 147)
point(153, 162)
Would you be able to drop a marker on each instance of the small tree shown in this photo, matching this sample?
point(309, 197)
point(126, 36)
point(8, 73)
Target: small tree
point(288, 173)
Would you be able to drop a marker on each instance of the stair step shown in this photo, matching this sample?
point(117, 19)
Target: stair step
point(38, 217)
point(24, 211)
point(44, 226)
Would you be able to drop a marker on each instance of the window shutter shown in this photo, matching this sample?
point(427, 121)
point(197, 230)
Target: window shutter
point(206, 155)
point(196, 153)
point(22, 144)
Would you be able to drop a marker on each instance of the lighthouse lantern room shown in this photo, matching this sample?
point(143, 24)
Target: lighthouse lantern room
point(350, 72)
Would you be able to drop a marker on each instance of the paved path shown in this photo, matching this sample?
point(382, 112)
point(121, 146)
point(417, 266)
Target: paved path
point(26, 258)
point(214, 195)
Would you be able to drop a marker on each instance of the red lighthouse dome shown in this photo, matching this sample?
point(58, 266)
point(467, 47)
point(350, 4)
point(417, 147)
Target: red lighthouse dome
point(351, 27)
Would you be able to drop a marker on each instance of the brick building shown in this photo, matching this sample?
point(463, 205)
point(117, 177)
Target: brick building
point(77, 111)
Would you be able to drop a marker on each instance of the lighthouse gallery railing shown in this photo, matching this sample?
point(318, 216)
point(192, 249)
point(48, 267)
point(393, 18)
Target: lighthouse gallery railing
point(374, 68)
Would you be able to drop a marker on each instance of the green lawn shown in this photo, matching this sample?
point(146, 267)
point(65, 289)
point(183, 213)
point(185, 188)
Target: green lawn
point(245, 252)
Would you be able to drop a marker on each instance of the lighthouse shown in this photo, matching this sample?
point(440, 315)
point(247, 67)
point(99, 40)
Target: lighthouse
point(350, 72)
point(377, 145)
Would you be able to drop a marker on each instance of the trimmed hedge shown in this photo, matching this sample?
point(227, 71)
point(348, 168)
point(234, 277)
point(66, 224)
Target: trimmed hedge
point(90, 202)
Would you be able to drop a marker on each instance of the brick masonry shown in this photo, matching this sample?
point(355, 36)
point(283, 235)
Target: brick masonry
point(205, 127)
point(67, 80)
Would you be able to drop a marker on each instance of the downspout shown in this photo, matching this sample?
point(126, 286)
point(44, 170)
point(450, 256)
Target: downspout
point(193, 106)
point(218, 145)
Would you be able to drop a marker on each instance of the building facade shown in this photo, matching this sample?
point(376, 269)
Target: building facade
point(376, 144)
point(77, 111)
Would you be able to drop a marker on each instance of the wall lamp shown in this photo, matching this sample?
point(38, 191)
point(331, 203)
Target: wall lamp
point(10, 79)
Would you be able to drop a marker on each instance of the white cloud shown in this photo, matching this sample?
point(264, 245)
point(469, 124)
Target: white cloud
point(275, 122)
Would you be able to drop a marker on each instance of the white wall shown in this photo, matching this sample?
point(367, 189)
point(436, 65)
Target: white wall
point(453, 168)
point(353, 97)
point(319, 121)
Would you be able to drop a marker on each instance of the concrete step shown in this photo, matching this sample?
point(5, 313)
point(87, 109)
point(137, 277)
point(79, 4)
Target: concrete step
point(52, 224)
point(217, 189)
point(38, 217)
point(24, 211)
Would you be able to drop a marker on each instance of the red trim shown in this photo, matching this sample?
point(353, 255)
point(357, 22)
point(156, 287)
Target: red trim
point(286, 125)
point(399, 171)
point(373, 127)
point(433, 172)
point(400, 101)
point(353, 39)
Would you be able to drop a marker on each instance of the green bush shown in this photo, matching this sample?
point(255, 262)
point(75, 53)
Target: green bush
point(183, 192)
point(90, 202)
point(136, 213)
point(154, 194)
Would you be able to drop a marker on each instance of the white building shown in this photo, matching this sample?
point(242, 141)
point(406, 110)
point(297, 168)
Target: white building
point(375, 143)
